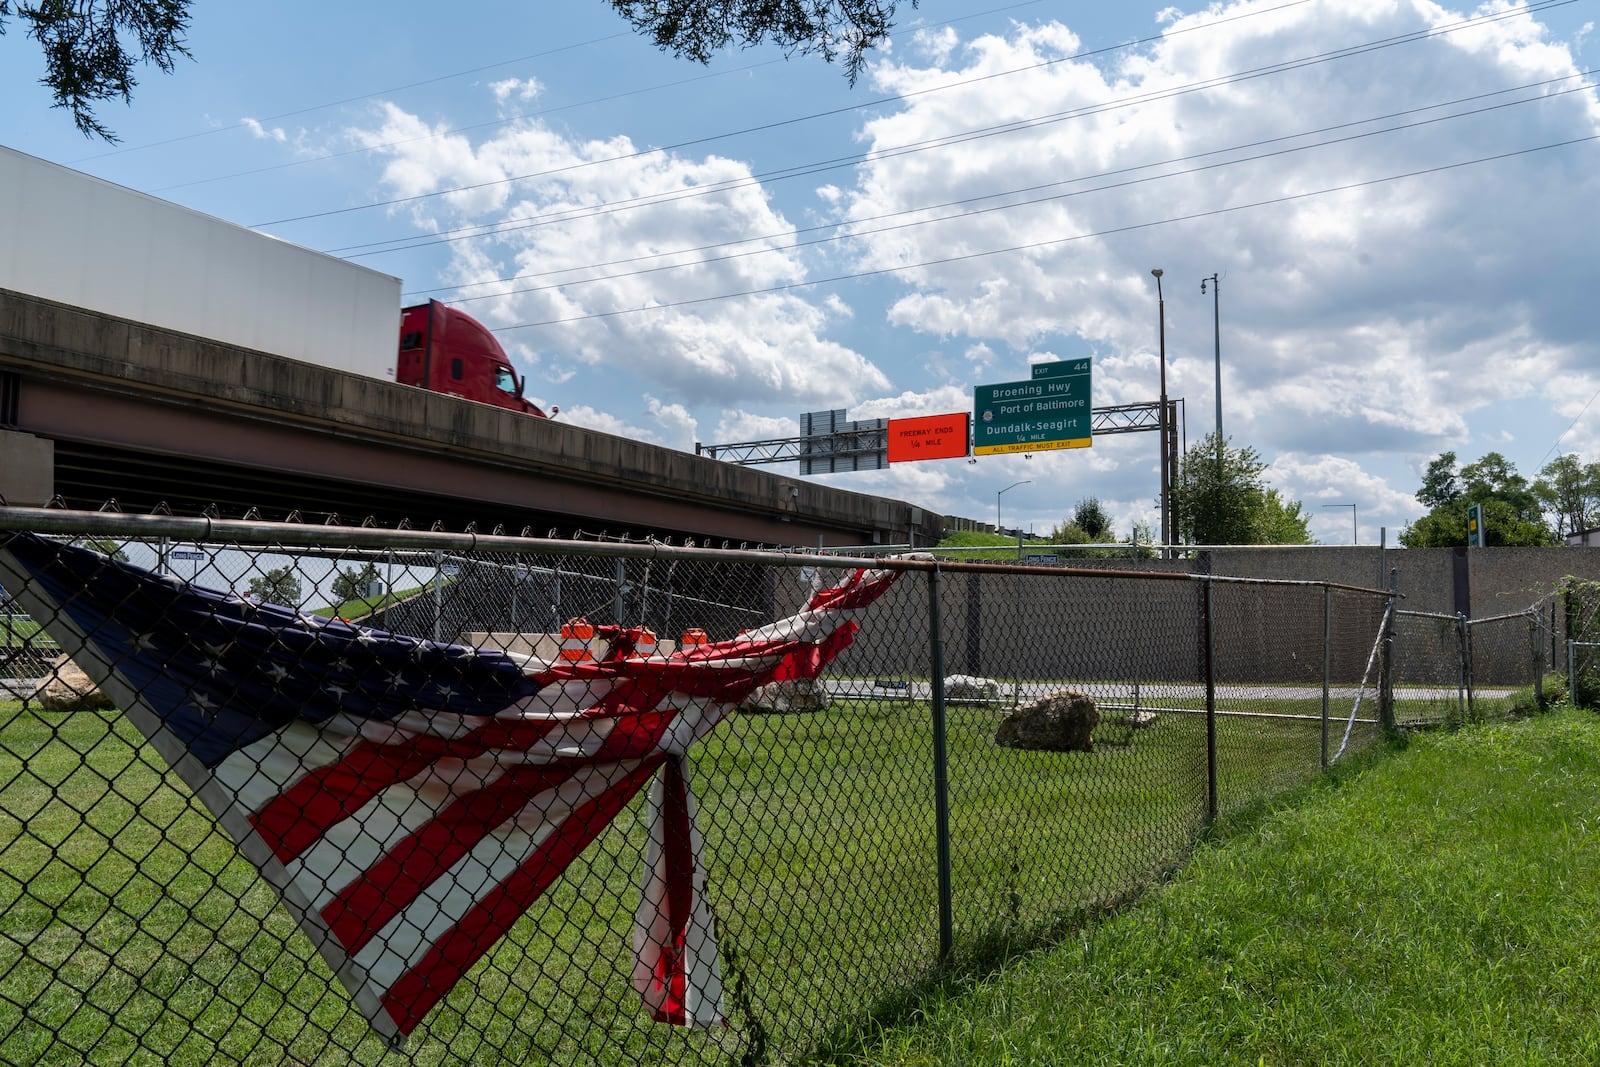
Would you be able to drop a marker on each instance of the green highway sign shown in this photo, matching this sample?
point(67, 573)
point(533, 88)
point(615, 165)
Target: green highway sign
point(1060, 368)
point(1048, 412)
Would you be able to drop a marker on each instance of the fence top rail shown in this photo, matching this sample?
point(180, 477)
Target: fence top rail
point(1310, 582)
point(1526, 613)
point(277, 534)
point(1430, 615)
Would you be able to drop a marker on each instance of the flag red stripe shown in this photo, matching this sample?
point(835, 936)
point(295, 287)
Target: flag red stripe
point(671, 970)
point(297, 818)
point(454, 953)
point(393, 883)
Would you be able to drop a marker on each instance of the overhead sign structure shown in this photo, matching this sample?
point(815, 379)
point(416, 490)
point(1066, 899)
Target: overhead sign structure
point(834, 443)
point(928, 437)
point(1048, 412)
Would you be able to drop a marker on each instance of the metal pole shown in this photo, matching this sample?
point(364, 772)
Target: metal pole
point(1386, 667)
point(1327, 664)
point(1211, 702)
point(997, 527)
point(438, 591)
point(1536, 639)
point(1166, 472)
point(941, 771)
point(1216, 326)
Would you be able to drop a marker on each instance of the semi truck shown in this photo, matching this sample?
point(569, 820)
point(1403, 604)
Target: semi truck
point(79, 240)
point(448, 351)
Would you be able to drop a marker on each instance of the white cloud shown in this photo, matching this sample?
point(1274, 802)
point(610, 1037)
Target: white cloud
point(678, 427)
point(263, 133)
point(1374, 325)
point(582, 249)
point(516, 89)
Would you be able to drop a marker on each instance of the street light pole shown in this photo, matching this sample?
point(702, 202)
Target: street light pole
point(1216, 327)
point(1001, 493)
point(1355, 535)
point(1166, 471)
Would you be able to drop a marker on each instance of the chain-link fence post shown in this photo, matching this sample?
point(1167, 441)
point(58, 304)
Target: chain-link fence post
point(1327, 664)
point(1211, 700)
point(1386, 666)
point(941, 769)
point(1535, 651)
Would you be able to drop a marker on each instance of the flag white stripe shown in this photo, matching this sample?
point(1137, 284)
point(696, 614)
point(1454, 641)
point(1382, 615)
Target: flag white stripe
point(350, 848)
point(406, 938)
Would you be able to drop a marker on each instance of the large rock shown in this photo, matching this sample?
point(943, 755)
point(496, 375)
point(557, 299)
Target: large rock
point(67, 688)
point(1061, 721)
point(794, 695)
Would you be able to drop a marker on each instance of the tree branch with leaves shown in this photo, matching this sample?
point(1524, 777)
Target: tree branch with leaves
point(92, 46)
point(695, 29)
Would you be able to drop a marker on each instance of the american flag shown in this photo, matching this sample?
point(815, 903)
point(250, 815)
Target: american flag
point(409, 799)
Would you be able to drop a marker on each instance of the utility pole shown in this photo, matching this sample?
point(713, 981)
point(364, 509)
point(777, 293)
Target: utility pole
point(1216, 326)
point(1166, 429)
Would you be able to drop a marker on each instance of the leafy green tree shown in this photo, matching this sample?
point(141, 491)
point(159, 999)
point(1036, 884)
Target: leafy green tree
point(1090, 517)
point(351, 584)
point(697, 28)
point(1570, 491)
point(1282, 522)
point(1511, 508)
point(1219, 498)
point(1089, 525)
point(277, 586)
point(91, 48)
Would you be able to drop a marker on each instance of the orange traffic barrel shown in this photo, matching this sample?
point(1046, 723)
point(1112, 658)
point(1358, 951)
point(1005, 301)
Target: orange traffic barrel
point(693, 637)
point(644, 641)
point(577, 641)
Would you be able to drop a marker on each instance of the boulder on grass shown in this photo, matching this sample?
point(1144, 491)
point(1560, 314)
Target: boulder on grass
point(1060, 721)
point(792, 696)
point(67, 688)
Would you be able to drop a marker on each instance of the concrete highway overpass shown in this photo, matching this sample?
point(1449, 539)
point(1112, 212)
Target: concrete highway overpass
point(95, 408)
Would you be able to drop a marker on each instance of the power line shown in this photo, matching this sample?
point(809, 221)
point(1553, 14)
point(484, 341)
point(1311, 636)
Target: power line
point(350, 99)
point(123, 149)
point(367, 149)
point(1020, 125)
point(1131, 227)
point(781, 123)
point(1568, 430)
point(768, 249)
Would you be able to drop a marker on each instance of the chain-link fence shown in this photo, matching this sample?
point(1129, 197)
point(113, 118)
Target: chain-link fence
point(1579, 604)
point(382, 797)
point(1449, 669)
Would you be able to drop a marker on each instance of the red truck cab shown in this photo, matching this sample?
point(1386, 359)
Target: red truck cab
point(448, 351)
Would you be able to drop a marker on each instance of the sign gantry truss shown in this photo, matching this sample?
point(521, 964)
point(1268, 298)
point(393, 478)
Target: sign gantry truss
point(861, 444)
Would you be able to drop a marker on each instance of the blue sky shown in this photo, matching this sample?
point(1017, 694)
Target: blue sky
point(1398, 197)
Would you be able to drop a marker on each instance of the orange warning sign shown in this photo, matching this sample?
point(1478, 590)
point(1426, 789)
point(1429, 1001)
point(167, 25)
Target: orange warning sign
point(928, 437)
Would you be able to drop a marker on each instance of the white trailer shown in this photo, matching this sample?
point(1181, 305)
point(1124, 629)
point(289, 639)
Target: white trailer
point(73, 238)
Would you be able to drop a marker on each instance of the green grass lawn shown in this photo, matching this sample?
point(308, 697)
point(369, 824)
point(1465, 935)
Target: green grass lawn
point(1436, 907)
point(130, 930)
